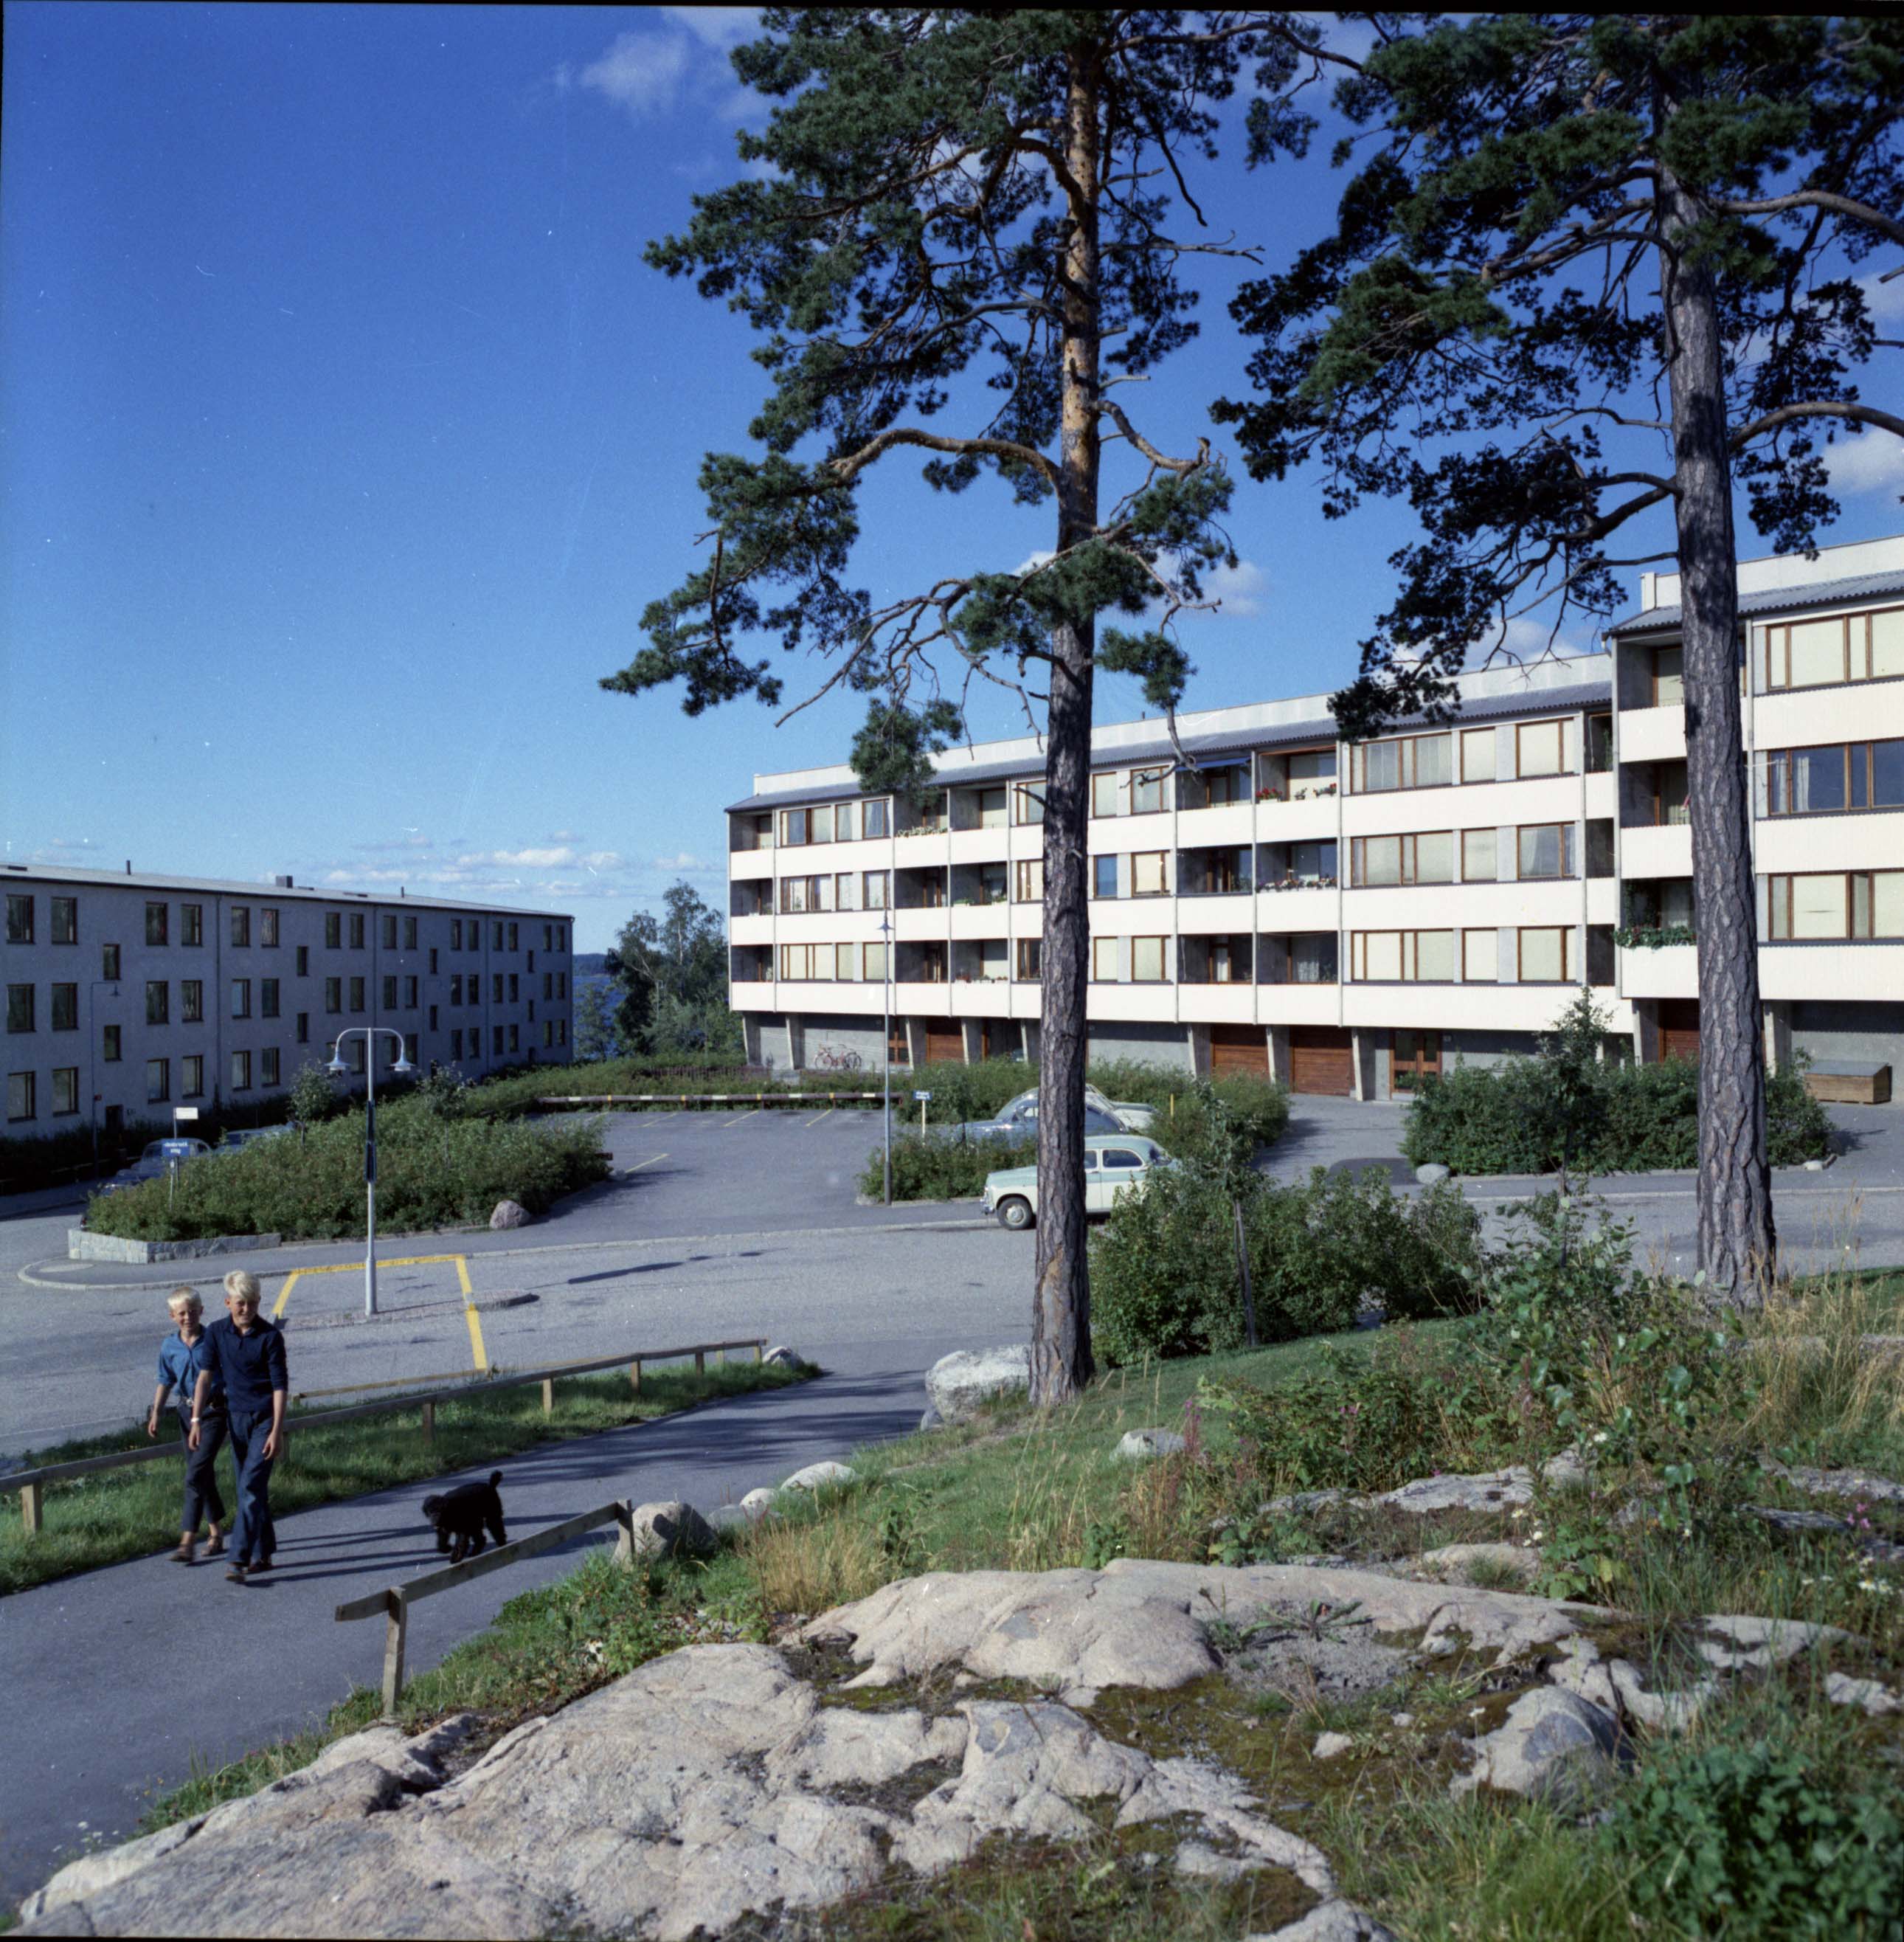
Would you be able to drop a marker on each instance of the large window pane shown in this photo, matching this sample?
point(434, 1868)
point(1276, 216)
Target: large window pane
point(1103, 794)
point(1817, 653)
point(1887, 903)
point(1146, 791)
point(1669, 681)
point(1104, 959)
point(1434, 760)
point(1382, 766)
point(1381, 860)
point(1477, 856)
point(1818, 906)
point(1887, 643)
point(1543, 957)
point(1887, 775)
point(1477, 756)
point(875, 959)
point(1103, 876)
point(1147, 874)
point(1540, 748)
point(1434, 956)
point(1435, 857)
point(1817, 779)
point(1146, 960)
point(1481, 957)
point(1540, 850)
point(1313, 771)
point(1382, 955)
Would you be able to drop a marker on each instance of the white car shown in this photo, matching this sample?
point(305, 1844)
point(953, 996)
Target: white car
point(1115, 1164)
point(152, 1163)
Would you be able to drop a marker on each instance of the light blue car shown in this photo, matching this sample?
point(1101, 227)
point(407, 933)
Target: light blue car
point(1115, 1164)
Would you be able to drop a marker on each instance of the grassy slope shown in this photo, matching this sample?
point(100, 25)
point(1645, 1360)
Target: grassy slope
point(89, 1522)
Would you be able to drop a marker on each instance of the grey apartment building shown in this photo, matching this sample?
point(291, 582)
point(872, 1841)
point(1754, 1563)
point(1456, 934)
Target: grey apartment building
point(128, 995)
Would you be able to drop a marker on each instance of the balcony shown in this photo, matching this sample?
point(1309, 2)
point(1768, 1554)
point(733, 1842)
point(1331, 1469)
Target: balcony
point(1311, 819)
point(918, 925)
point(750, 930)
point(1217, 1004)
point(748, 864)
point(1665, 851)
point(1228, 823)
point(1653, 734)
point(1666, 971)
point(1871, 971)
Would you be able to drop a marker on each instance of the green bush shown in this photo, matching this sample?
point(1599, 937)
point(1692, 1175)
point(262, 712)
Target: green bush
point(1499, 1120)
point(432, 1171)
point(1758, 1842)
point(1257, 1108)
point(936, 1168)
point(1164, 1272)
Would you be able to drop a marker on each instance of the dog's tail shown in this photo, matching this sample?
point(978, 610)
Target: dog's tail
point(495, 1478)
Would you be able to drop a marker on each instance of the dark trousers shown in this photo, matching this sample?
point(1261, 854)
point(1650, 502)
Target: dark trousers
point(203, 1498)
point(253, 1535)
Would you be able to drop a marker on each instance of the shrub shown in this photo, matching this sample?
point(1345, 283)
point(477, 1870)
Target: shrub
point(1164, 1271)
point(1761, 1842)
point(312, 1096)
point(936, 1168)
point(432, 1171)
point(1257, 1109)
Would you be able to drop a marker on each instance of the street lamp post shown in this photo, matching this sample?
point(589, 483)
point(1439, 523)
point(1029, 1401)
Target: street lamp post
point(400, 1070)
point(885, 961)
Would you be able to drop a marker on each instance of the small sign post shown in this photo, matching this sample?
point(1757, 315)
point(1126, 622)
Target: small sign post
point(923, 1097)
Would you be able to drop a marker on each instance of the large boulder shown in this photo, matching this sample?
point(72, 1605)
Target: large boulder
point(818, 1476)
point(961, 1383)
point(1135, 1446)
point(1553, 1746)
point(672, 1530)
point(509, 1214)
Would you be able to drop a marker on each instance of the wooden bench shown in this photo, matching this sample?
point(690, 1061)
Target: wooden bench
point(1849, 1082)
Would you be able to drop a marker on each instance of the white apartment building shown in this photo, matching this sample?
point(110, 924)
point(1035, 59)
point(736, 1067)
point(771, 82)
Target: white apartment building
point(1350, 918)
point(128, 995)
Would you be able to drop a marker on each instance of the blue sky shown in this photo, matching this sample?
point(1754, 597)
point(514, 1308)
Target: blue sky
point(346, 435)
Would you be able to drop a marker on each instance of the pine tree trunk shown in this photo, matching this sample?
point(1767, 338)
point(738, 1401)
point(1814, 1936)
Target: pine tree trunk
point(1061, 1364)
point(1737, 1238)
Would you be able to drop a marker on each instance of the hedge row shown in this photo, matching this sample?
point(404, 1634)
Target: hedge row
point(1498, 1119)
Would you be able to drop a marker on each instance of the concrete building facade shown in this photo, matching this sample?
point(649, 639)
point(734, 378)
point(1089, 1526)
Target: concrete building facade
point(1350, 918)
point(128, 995)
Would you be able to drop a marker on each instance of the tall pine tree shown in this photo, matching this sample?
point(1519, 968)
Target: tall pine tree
point(1597, 264)
point(970, 218)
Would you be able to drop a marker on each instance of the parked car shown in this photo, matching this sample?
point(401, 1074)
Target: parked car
point(1115, 1164)
point(153, 1163)
point(1018, 1119)
point(239, 1138)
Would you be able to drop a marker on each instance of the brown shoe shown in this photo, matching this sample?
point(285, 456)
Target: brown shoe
point(215, 1548)
point(236, 1574)
point(185, 1553)
point(261, 1564)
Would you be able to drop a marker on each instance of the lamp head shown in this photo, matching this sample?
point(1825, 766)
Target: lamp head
point(336, 1067)
point(402, 1066)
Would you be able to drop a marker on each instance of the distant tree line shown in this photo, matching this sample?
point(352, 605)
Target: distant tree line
point(667, 988)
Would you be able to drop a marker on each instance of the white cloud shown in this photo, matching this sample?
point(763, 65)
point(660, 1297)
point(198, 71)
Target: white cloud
point(1041, 558)
point(643, 73)
point(1239, 587)
point(564, 836)
point(687, 860)
point(520, 859)
point(717, 26)
point(602, 859)
point(1871, 462)
point(1885, 300)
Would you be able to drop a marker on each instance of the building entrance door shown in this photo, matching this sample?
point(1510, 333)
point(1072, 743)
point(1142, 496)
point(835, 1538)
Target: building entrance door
point(1679, 1028)
point(1416, 1056)
point(944, 1045)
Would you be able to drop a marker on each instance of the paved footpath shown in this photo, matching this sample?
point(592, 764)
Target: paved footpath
point(121, 1679)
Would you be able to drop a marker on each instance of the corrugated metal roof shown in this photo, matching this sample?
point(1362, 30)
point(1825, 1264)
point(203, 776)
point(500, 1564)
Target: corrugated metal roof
point(268, 893)
point(1224, 742)
point(1777, 600)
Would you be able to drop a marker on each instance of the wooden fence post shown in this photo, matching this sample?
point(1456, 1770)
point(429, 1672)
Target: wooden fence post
point(625, 1538)
point(635, 1376)
point(757, 1355)
point(395, 1623)
point(429, 1423)
point(548, 1395)
point(700, 1362)
point(30, 1508)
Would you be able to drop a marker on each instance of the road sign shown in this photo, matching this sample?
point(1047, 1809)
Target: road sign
point(185, 1112)
point(922, 1097)
point(177, 1149)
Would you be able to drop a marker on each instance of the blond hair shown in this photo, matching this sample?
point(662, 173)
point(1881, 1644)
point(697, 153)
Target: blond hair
point(185, 1297)
point(240, 1281)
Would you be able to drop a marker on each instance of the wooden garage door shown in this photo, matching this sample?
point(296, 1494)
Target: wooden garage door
point(1679, 1028)
point(1244, 1049)
point(1320, 1061)
point(942, 1045)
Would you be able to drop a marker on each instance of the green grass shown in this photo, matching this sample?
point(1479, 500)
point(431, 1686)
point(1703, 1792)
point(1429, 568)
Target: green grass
point(88, 1521)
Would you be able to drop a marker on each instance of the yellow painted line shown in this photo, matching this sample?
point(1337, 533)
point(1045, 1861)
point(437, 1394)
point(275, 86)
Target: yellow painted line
point(655, 1161)
point(754, 1115)
point(356, 1267)
point(479, 1356)
point(819, 1117)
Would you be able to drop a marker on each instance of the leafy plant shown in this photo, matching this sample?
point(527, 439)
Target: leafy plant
point(935, 1168)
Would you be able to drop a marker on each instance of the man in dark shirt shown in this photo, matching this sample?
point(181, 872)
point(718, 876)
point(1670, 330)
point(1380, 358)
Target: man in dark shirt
point(248, 1353)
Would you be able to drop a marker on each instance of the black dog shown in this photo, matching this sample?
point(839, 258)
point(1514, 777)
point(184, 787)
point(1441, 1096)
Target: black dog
point(459, 1516)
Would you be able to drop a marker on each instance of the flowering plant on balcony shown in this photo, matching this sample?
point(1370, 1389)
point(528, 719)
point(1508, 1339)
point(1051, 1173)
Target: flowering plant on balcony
point(1652, 936)
point(1271, 795)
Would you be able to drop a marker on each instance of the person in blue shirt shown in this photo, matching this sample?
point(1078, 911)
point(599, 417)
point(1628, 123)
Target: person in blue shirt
point(245, 1353)
point(182, 1355)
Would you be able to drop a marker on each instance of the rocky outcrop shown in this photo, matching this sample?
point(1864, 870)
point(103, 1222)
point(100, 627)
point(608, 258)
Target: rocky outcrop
point(1136, 1446)
point(1553, 1746)
point(960, 1383)
point(672, 1530)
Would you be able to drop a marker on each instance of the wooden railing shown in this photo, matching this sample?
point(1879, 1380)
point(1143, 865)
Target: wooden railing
point(31, 1484)
point(393, 1603)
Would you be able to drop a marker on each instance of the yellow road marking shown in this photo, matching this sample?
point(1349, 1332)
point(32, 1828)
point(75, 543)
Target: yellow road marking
point(656, 1158)
point(284, 1293)
point(479, 1356)
point(357, 1267)
point(819, 1117)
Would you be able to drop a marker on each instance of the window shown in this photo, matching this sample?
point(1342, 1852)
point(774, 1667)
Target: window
point(1670, 806)
point(877, 822)
point(873, 959)
point(158, 1002)
point(1836, 778)
point(155, 922)
point(1375, 860)
point(19, 919)
point(268, 998)
point(562, 977)
point(66, 1008)
point(1857, 904)
point(1546, 850)
point(390, 930)
point(1028, 803)
point(1147, 876)
point(991, 809)
point(473, 937)
point(1409, 761)
point(432, 960)
point(1147, 791)
point(1146, 960)
point(1540, 748)
point(1030, 954)
point(1481, 957)
point(456, 1043)
point(1311, 773)
point(65, 930)
point(191, 1001)
point(1103, 876)
point(1104, 959)
point(389, 993)
point(409, 994)
point(268, 927)
point(1669, 677)
point(1103, 793)
point(241, 1072)
point(356, 930)
point(333, 931)
point(1544, 956)
point(241, 997)
point(268, 1068)
point(333, 994)
point(1402, 956)
point(456, 933)
point(1217, 789)
point(846, 890)
point(1478, 853)
point(496, 939)
point(1599, 744)
point(873, 884)
point(514, 992)
point(66, 1090)
point(354, 1054)
point(548, 1031)
point(1477, 756)
point(1028, 881)
point(303, 1033)
point(158, 1081)
point(809, 962)
point(109, 1043)
point(562, 1024)
point(356, 994)
point(846, 962)
point(109, 963)
point(192, 1077)
point(240, 925)
point(20, 1100)
point(513, 944)
point(19, 1008)
point(515, 1038)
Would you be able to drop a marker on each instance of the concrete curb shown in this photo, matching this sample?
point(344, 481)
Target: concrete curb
point(84, 1246)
